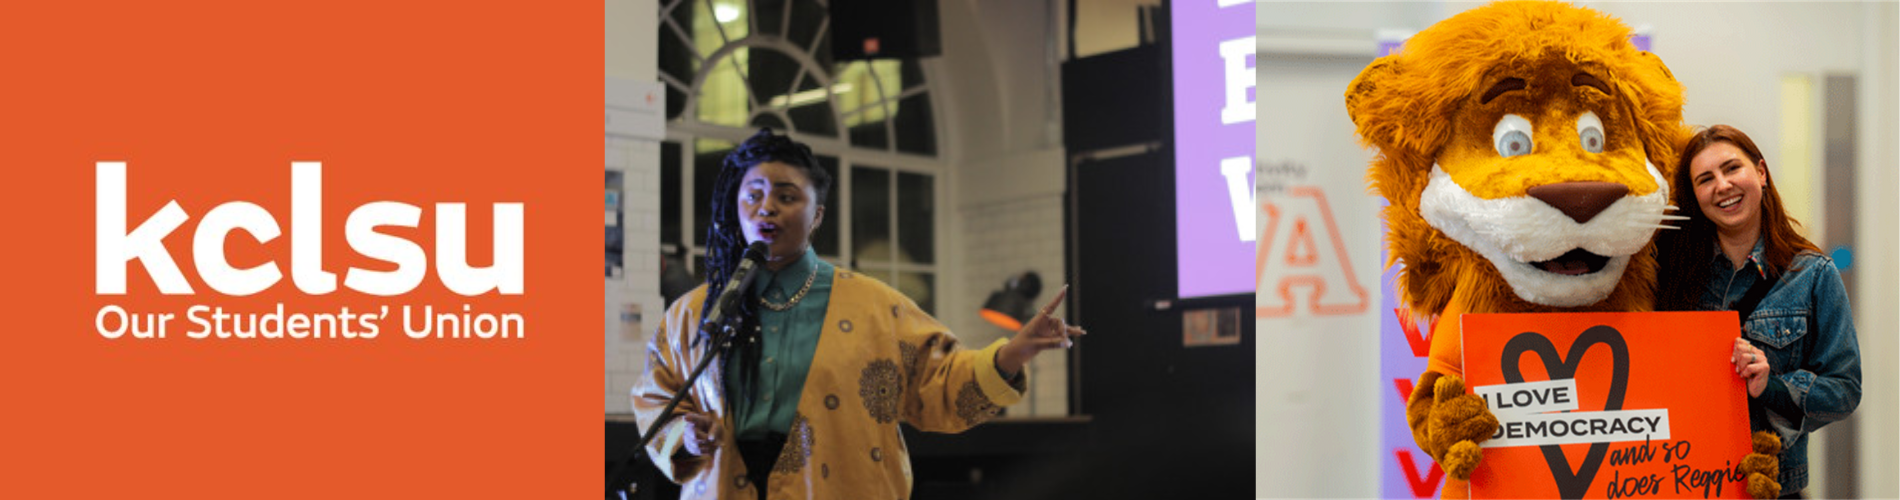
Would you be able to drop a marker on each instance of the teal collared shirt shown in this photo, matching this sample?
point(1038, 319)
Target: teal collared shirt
point(789, 341)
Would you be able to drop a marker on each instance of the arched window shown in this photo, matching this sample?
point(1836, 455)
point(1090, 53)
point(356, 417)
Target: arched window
point(733, 66)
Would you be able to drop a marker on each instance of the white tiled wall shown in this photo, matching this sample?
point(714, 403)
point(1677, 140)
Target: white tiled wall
point(632, 51)
point(1008, 219)
point(626, 347)
point(1000, 239)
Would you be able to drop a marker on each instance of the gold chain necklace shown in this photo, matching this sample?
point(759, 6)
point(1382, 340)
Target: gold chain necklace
point(795, 297)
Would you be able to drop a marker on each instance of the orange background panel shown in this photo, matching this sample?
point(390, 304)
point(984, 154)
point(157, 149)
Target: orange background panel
point(210, 102)
point(1677, 360)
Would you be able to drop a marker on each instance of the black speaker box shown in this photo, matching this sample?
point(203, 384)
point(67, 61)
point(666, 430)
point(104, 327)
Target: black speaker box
point(884, 29)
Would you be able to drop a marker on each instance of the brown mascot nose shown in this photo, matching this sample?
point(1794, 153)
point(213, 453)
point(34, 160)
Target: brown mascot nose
point(1580, 200)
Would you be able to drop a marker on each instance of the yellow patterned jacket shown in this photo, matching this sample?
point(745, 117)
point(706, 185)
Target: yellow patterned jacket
point(880, 359)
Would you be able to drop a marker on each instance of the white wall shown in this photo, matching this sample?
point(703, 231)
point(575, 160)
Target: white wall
point(997, 56)
point(639, 160)
point(632, 54)
point(1730, 57)
point(1317, 408)
point(1324, 391)
point(1877, 225)
point(633, 44)
point(1010, 221)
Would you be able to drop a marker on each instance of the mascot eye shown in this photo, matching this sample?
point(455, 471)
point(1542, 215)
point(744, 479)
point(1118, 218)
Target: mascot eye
point(1512, 137)
point(1590, 132)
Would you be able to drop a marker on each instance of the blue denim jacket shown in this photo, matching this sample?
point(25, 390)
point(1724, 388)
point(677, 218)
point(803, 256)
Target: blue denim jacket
point(1807, 329)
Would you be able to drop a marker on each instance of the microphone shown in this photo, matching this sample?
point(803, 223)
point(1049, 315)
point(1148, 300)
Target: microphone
point(736, 287)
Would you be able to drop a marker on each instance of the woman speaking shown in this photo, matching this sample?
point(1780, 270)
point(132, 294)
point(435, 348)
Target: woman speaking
point(824, 363)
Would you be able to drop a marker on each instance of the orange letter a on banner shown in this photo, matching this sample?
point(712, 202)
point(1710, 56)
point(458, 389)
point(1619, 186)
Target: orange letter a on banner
point(1301, 247)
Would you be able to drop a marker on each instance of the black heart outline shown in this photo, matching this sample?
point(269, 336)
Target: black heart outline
point(1572, 484)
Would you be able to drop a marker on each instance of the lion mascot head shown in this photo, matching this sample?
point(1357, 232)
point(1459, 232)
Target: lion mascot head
point(1525, 148)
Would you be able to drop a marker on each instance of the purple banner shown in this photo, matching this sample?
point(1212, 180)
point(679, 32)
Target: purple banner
point(1214, 146)
point(1403, 343)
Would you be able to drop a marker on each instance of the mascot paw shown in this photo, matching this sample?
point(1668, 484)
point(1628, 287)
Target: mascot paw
point(1455, 423)
point(1766, 443)
point(1448, 424)
point(1760, 486)
point(1461, 459)
point(1763, 466)
point(1458, 417)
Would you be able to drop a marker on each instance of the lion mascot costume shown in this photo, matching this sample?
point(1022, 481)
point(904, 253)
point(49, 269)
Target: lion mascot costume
point(1525, 148)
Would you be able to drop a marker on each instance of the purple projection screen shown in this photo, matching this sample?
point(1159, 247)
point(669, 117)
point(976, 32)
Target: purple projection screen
point(1213, 146)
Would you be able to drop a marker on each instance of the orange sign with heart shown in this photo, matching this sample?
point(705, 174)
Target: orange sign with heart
point(1608, 405)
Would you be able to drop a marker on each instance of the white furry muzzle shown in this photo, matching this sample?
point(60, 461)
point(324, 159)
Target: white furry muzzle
point(1517, 231)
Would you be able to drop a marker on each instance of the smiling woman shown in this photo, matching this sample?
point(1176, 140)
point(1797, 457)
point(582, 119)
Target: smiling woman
point(1724, 188)
point(1739, 250)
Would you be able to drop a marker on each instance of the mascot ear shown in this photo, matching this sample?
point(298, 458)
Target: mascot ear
point(1396, 112)
point(1392, 119)
point(1655, 63)
point(1657, 102)
point(1365, 95)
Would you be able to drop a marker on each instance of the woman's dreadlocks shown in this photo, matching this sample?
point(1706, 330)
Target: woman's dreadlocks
point(725, 242)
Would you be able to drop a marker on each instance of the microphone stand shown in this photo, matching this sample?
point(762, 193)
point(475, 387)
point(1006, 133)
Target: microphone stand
point(721, 342)
point(719, 323)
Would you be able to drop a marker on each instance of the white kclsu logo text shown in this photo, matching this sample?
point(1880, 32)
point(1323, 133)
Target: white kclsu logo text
point(116, 248)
